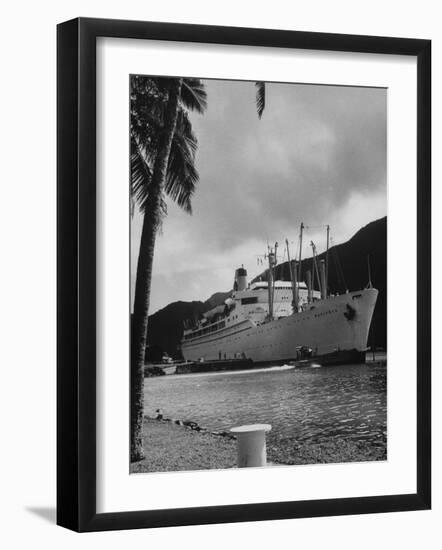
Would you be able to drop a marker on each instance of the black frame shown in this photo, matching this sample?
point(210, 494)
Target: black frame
point(76, 272)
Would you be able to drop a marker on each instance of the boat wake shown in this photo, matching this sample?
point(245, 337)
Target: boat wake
point(233, 372)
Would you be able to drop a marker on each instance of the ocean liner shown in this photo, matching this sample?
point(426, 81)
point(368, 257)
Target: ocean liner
point(274, 321)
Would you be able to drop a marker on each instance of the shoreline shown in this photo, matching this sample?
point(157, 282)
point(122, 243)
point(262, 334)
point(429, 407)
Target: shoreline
point(231, 367)
point(171, 445)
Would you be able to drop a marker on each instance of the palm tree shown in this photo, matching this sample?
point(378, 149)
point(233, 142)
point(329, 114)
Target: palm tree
point(162, 162)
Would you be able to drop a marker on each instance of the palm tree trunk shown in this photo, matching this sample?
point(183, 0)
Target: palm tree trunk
point(152, 218)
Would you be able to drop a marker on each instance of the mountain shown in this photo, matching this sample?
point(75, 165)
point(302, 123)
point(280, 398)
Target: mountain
point(348, 269)
point(165, 327)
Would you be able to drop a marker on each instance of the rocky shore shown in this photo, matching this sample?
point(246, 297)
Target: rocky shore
point(176, 445)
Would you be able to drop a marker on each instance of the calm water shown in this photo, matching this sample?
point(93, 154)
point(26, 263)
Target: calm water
point(313, 403)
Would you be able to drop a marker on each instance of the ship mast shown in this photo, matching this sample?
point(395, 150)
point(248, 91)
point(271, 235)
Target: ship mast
point(326, 259)
point(292, 267)
point(315, 265)
point(370, 285)
point(275, 261)
point(300, 253)
point(271, 279)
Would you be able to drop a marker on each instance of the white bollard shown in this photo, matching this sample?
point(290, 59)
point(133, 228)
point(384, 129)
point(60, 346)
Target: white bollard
point(251, 445)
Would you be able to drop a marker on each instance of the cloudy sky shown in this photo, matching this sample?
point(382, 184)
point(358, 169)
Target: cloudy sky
point(317, 156)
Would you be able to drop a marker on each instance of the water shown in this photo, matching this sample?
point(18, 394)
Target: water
point(314, 404)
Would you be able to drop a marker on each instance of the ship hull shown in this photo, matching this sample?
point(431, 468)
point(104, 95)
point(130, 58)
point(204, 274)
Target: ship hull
point(331, 326)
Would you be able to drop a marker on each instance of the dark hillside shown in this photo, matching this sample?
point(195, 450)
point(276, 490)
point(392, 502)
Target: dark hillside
point(165, 327)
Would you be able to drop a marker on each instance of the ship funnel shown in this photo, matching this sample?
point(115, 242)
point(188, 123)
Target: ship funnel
point(309, 285)
point(240, 282)
point(323, 279)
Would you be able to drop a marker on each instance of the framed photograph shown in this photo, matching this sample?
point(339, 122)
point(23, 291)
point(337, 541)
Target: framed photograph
point(243, 274)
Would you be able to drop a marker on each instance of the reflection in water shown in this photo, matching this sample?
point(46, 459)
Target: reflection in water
point(314, 404)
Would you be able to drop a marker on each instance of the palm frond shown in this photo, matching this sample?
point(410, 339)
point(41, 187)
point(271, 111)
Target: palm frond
point(194, 95)
point(260, 97)
point(181, 181)
point(140, 174)
point(184, 131)
point(182, 175)
point(140, 179)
